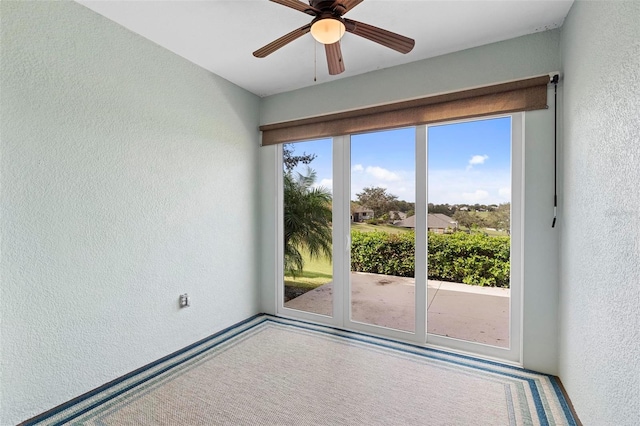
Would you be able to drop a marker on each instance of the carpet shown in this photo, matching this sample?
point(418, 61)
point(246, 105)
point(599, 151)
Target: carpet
point(274, 371)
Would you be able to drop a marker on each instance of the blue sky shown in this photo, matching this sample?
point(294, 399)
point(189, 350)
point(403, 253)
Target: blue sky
point(468, 162)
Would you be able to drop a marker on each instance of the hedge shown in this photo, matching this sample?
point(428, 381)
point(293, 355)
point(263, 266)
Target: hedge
point(472, 259)
point(383, 253)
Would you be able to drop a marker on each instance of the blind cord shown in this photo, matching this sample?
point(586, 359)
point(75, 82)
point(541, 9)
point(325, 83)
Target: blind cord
point(554, 80)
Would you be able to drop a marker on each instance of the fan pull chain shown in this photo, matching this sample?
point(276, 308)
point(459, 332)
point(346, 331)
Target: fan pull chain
point(315, 61)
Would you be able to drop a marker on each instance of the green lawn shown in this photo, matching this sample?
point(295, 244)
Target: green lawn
point(365, 227)
point(493, 233)
point(319, 271)
point(316, 272)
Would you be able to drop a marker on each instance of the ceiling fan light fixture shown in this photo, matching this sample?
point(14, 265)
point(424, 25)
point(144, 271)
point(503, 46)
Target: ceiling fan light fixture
point(328, 30)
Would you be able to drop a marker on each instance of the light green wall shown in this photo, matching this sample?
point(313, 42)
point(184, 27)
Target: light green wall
point(508, 60)
point(128, 178)
point(513, 59)
point(599, 344)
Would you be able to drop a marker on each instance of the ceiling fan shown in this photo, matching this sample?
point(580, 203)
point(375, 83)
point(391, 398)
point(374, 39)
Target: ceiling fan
point(328, 26)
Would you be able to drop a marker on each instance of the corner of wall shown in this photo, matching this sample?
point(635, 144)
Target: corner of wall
point(599, 300)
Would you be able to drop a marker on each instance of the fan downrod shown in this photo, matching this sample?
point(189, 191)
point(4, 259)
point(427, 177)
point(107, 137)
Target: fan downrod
point(324, 4)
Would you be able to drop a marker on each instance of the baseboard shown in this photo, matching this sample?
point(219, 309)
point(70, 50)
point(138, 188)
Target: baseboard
point(43, 416)
point(569, 403)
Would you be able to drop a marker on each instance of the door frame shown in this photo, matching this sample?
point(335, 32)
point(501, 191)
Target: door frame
point(420, 292)
point(336, 319)
point(341, 153)
point(512, 354)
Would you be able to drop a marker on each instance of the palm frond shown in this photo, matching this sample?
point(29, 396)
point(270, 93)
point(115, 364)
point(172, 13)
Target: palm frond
point(307, 219)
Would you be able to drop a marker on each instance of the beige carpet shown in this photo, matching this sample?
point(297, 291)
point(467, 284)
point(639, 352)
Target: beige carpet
point(272, 371)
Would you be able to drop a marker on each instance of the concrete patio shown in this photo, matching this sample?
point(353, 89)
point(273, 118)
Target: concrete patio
point(478, 314)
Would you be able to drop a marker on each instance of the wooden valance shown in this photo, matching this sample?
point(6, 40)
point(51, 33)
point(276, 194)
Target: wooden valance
point(522, 95)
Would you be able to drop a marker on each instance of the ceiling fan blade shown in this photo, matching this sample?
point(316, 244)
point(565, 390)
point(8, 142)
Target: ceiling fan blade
point(386, 38)
point(298, 5)
point(282, 41)
point(347, 5)
point(334, 58)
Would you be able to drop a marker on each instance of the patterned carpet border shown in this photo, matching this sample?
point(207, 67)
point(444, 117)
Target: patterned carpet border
point(544, 390)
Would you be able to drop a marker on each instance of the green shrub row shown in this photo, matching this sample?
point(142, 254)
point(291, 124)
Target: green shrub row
point(474, 259)
point(383, 253)
point(471, 259)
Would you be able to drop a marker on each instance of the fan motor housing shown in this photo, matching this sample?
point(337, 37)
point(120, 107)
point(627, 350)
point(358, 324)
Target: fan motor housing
point(325, 5)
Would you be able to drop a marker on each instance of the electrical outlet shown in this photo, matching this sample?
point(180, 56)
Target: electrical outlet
point(185, 300)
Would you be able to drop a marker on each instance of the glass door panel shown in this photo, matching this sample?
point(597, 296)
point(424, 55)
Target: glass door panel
point(409, 233)
point(382, 216)
point(468, 223)
point(307, 227)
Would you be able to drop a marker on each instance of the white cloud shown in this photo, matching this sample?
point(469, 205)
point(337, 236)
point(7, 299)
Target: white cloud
point(477, 159)
point(403, 185)
point(325, 183)
point(454, 186)
point(476, 196)
point(505, 192)
point(445, 186)
point(382, 174)
point(448, 186)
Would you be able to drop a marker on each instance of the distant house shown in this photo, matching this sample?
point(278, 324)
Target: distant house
point(441, 223)
point(409, 222)
point(361, 214)
point(436, 222)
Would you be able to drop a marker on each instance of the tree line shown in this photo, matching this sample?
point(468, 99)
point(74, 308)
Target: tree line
point(451, 209)
point(381, 202)
point(499, 219)
point(468, 216)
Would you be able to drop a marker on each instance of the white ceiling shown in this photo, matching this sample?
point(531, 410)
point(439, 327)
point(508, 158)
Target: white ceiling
point(220, 35)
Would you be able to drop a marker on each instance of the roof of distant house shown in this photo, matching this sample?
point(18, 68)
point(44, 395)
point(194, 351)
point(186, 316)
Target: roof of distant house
point(409, 222)
point(440, 221)
point(434, 221)
point(446, 218)
point(362, 210)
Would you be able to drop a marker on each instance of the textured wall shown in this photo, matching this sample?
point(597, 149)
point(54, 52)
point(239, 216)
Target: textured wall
point(512, 59)
point(600, 241)
point(128, 177)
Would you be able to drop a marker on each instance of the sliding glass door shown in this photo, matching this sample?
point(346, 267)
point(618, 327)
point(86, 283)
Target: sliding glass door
point(410, 233)
point(382, 229)
point(469, 212)
point(474, 233)
point(307, 217)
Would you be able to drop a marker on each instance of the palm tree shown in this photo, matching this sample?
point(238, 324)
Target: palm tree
point(307, 220)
